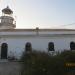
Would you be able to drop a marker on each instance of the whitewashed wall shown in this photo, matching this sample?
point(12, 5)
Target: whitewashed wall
point(16, 43)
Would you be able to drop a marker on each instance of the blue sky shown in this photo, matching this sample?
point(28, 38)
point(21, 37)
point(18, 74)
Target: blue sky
point(42, 13)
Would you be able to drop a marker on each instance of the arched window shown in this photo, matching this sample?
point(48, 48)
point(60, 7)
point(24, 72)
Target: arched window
point(50, 46)
point(72, 45)
point(4, 48)
point(28, 47)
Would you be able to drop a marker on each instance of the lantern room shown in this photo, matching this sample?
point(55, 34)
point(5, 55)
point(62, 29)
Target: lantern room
point(7, 20)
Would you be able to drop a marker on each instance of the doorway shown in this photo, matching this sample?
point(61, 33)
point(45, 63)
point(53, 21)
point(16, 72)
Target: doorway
point(4, 50)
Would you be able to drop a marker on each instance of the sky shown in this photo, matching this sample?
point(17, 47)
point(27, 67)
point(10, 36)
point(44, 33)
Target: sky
point(42, 13)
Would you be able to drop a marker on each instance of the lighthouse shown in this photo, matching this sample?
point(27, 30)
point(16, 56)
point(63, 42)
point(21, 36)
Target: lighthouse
point(7, 20)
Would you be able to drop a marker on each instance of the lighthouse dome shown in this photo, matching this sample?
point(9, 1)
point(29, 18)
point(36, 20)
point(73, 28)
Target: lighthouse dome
point(7, 10)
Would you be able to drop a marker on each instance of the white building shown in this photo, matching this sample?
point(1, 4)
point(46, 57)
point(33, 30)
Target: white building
point(13, 42)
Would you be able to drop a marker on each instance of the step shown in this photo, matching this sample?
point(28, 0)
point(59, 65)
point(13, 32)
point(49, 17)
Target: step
point(3, 60)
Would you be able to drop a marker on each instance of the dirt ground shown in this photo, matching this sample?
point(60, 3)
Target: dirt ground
point(10, 68)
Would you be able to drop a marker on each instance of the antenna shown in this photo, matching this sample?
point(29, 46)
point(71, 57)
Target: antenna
point(13, 2)
point(8, 2)
point(68, 24)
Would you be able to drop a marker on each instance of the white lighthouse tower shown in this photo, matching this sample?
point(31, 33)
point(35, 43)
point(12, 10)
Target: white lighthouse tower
point(7, 20)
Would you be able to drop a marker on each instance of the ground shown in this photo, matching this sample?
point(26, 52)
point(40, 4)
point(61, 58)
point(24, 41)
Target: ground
point(9, 68)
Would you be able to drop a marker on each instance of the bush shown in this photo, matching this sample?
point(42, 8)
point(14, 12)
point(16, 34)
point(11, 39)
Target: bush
point(42, 63)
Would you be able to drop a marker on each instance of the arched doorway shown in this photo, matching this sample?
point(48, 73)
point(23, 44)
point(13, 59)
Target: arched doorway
point(4, 49)
point(72, 45)
point(50, 46)
point(28, 47)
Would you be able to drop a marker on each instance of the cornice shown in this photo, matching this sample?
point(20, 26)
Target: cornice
point(28, 30)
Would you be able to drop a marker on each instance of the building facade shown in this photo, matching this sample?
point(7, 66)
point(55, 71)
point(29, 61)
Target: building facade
point(13, 42)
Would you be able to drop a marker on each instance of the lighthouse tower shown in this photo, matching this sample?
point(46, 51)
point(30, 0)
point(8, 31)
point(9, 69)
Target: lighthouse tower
point(7, 20)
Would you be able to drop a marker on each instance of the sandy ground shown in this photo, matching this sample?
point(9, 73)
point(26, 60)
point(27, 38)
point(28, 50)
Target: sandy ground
point(10, 68)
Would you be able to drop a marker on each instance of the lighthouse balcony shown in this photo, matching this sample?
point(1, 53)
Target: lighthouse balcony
point(7, 25)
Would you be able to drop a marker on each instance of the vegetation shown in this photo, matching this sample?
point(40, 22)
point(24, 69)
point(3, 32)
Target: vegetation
point(42, 63)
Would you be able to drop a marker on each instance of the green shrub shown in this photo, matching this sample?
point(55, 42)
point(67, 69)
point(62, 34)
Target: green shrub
point(42, 63)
